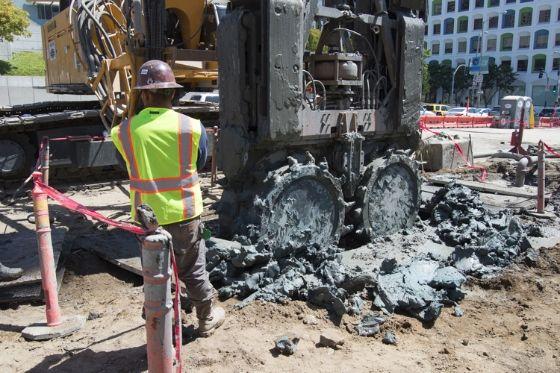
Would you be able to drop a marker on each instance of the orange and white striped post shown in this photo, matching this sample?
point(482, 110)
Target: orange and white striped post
point(46, 256)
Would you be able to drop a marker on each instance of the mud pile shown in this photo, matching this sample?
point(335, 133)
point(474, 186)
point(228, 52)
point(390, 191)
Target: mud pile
point(484, 241)
point(257, 272)
point(419, 284)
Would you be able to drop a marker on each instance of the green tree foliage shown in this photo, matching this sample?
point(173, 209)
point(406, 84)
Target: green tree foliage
point(499, 79)
point(13, 21)
point(425, 74)
point(439, 76)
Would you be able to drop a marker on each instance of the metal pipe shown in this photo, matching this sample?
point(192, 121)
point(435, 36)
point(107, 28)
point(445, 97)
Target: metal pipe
point(541, 179)
point(157, 302)
point(46, 257)
point(45, 160)
point(452, 99)
point(521, 172)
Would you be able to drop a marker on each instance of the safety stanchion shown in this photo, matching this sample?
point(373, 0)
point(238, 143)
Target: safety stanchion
point(541, 179)
point(56, 326)
point(157, 253)
point(45, 160)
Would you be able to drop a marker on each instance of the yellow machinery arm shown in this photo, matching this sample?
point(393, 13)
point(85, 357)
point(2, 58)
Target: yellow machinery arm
point(100, 45)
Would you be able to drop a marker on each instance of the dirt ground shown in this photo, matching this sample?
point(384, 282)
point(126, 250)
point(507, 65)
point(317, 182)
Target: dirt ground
point(510, 323)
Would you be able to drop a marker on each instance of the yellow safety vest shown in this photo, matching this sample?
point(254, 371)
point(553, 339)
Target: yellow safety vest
point(160, 147)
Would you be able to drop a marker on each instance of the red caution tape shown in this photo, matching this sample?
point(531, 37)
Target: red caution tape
point(79, 208)
point(551, 151)
point(75, 206)
point(483, 171)
point(176, 314)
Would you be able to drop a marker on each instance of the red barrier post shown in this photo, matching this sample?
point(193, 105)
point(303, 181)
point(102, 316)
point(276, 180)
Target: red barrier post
point(56, 325)
point(45, 160)
point(46, 256)
point(541, 179)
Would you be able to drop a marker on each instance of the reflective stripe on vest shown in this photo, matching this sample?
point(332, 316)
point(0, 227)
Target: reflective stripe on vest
point(186, 183)
point(125, 137)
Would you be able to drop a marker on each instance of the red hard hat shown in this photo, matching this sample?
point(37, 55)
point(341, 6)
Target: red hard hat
point(156, 74)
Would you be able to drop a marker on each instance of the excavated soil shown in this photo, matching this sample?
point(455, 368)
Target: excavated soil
point(510, 324)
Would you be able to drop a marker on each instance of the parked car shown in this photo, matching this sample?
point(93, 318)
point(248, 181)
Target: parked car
point(212, 97)
point(484, 112)
point(495, 111)
point(438, 109)
point(427, 113)
point(549, 112)
point(463, 111)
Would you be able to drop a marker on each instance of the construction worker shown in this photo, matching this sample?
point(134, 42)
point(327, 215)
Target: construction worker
point(163, 151)
point(9, 274)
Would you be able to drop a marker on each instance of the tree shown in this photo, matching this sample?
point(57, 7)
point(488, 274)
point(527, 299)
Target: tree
point(499, 79)
point(425, 74)
point(13, 21)
point(439, 76)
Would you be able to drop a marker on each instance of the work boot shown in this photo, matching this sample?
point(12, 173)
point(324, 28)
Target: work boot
point(9, 274)
point(210, 318)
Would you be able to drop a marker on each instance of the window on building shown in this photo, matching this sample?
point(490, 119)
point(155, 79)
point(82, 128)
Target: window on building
point(448, 47)
point(539, 62)
point(47, 11)
point(448, 26)
point(462, 46)
point(474, 44)
point(525, 1)
point(506, 62)
point(493, 22)
point(508, 19)
point(479, 4)
point(437, 28)
point(541, 39)
point(426, 29)
point(525, 17)
point(435, 49)
point(436, 7)
point(491, 44)
point(506, 42)
point(477, 25)
point(522, 65)
point(544, 16)
point(464, 5)
point(524, 41)
point(492, 3)
point(557, 39)
point(462, 24)
point(556, 64)
point(451, 6)
point(510, 1)
point(558, 18)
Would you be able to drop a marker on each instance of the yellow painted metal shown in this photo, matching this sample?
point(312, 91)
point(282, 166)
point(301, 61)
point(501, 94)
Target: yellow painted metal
point(115, 78)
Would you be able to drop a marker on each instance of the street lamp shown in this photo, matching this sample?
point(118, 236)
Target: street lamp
point(557, 80)
point(479, 52)
point(453, 83)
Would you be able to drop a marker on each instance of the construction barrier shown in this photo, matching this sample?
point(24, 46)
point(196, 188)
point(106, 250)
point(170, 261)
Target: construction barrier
point(456, 121)
point(548, 122)
point(158, 267)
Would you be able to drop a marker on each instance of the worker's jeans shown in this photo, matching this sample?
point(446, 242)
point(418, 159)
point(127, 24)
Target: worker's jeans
point(190, 254)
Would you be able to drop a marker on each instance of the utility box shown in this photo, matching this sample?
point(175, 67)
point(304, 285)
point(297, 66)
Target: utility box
point(440, 153)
